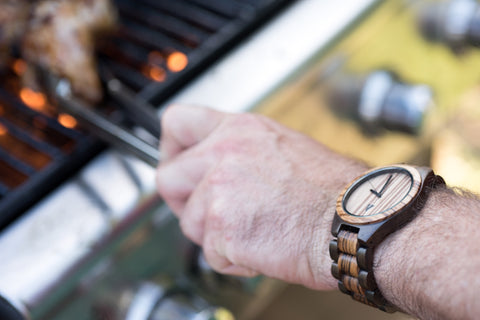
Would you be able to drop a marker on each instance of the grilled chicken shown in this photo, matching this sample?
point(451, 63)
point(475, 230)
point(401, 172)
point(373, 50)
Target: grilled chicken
point(60, 37)
point(13, 21)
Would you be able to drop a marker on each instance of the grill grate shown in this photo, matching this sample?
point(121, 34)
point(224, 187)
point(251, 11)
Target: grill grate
point(159, 46)
point(36, 153)
point(170, 42)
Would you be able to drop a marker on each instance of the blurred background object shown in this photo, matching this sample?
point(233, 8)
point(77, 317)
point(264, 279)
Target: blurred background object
point(455, 23)
point(386, 93)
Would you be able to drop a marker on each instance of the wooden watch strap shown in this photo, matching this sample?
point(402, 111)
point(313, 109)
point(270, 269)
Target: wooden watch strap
point(352, 266)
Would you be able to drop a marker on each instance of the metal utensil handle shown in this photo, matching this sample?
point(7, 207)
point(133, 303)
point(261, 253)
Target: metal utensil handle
point(139, 110)
point(143, 113)
point(106, 130)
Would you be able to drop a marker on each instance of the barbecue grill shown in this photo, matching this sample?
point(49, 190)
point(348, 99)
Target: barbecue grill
point(81, 225)
point(158, 47)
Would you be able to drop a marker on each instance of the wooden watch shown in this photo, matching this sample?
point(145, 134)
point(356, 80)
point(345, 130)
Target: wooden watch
point(374, 205)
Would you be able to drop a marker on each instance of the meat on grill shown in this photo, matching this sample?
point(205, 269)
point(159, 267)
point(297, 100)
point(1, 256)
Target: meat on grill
point(13, 20)
point(61, 36)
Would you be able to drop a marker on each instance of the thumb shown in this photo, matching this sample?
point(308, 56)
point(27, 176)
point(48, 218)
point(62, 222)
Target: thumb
point(184, 126)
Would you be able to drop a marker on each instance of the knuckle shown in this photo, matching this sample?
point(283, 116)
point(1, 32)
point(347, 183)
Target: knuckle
point(248, 121)
point(217, 215)
point(241, 136)
point(216, 261)
point(190, 231)
point(221, 175)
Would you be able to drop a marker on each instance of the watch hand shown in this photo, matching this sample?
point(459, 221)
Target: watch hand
point(373, 190)
point(375, 193)
point(385, 185)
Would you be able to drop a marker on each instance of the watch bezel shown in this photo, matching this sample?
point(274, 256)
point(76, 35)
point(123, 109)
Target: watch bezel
point(406, 201)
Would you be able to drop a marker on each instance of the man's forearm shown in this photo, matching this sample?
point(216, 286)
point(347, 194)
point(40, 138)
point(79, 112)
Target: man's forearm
point(430, 267)
point(260, 199)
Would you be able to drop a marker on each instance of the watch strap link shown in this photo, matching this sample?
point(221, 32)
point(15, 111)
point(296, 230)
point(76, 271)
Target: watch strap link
point(353, 268)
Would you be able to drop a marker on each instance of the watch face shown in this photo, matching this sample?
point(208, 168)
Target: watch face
point(379, 194)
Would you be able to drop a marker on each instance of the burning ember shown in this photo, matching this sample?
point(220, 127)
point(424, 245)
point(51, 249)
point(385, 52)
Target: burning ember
point(174, 62)
point(177, 61)
point(38, 102)
point(157, 73)
point(33, 99)
point(67, 120)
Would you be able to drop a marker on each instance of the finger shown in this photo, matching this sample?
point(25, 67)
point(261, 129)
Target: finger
point(177, 179)
point(221, 264)
point(192, 221)
point(184, 126)
point(240, 271)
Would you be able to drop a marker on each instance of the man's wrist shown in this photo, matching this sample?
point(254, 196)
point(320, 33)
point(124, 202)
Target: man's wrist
point(401, 260)
point(428, 268)
point(320, 261)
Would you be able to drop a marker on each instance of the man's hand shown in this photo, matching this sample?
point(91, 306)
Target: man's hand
point(260, 198)
point(257, 196)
